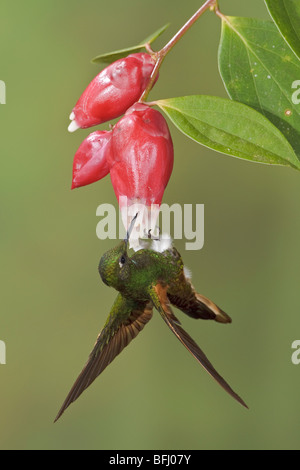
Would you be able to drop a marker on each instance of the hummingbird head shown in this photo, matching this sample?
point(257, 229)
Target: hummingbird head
point(115, 264)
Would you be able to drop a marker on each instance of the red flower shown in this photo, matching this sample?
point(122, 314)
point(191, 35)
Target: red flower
point(112, 91)
point(91, 159)
point(138, 153)
point(142, 156)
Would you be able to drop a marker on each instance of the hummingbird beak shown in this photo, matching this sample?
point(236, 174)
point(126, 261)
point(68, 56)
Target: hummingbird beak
point(130, 230)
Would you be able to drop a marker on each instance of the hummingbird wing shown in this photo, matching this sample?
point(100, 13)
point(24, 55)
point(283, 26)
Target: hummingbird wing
point(182, 295)
point(124, 323)
point(160, 300)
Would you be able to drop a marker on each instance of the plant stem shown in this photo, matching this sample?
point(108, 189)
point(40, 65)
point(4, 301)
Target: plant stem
point(207, 5)
point(161, 55)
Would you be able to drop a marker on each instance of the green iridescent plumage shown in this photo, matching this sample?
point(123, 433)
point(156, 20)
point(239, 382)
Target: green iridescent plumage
point(148, 279)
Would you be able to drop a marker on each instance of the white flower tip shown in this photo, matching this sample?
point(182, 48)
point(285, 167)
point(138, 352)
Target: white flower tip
point(72, 116)
point(163, 244)
point(73, 126)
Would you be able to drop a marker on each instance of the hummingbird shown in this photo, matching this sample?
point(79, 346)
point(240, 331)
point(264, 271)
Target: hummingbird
point(151, 278)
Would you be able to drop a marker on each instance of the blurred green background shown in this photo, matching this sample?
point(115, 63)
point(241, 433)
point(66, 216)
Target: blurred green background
point(53, 304)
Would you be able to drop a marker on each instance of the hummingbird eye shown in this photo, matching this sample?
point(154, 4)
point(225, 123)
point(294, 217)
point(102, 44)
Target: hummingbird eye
point(122, 261)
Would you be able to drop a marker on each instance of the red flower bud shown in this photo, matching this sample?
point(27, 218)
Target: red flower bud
point(139, 155)
point(142, 156)
point(90, 161)
point(113, 91)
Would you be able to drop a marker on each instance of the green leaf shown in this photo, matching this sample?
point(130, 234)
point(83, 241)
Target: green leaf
point(154, 36)
point(286, 14)
point(260, 70)
point(231, 128)
point(110, 57)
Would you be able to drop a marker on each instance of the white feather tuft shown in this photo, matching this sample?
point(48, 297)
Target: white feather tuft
point(187, 273)
point(163, 244)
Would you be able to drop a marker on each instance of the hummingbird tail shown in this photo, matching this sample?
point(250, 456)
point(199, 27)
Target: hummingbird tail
point(160, 301)
point(220, 315)
point(185, 298)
